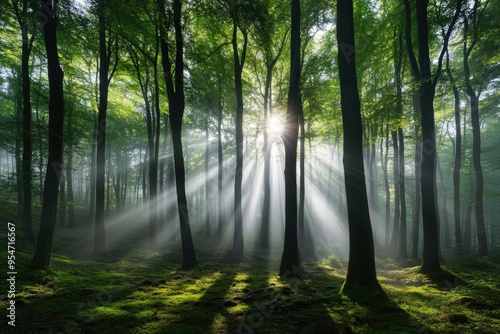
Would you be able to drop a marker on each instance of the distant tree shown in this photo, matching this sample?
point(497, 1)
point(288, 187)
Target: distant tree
point(361, 268)
point(23, 20)
point(56, 124)
point(474, 18)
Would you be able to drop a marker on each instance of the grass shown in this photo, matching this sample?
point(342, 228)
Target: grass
point(139, 290)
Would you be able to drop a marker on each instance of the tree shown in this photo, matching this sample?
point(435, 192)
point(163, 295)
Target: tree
point(361, 268)
point(427, 87)
point(108, 46)
point(27, 158)
point(290, 260)
point(476, 16)
point(174, 79)
point(56, 123)
point(239, 62)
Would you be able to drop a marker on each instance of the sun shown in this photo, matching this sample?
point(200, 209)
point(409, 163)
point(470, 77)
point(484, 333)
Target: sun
point(275, 126)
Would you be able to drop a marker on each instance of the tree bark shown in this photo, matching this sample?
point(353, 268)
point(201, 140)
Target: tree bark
point(176, 101)
point(430, 216)
point(290, 260)
point(238, 69)
point(476, 139)
point(361, 269)
point(27, 156)
point(458, 158)
point(56, 122)
point(220, 162)
point(402, 251)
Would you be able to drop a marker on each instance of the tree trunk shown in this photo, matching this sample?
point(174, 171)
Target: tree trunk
point(62, 201)
point(397, 192)
point(220, 163)
point(361, 269)
point(402, 251)
point(69, 171)
point(104, 66)
point(27, 157)
point(90, 219)
point(207, 180)
point(458, 157)
point(476, 130)
point(385, 161)
point(176, 100)
point(290, 260)
point(430, 215)
point(56, 122)
point(238, 69)
point(303, 236)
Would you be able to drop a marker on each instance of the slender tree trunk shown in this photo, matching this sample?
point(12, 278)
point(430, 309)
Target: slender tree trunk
point(402, 251)
point(476, 152)
point(104, 67)
point(91, 217)
point(415, 229)
point(290, 260)
point(238, 69)
point(397, 192)
point(220, 163)
point(176, 100)
point(69, 171)
point(207, 180)
point(385, 161)
point(62, 201)
point(56, 122)
point(458, 158)
point(361, 269)
point(303, 236)
point(27, 157)
point(266, 205)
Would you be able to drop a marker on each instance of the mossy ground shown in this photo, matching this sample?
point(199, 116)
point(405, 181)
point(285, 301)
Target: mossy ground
point(139, 290)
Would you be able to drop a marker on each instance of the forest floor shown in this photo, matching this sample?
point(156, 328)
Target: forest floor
point(139, 290)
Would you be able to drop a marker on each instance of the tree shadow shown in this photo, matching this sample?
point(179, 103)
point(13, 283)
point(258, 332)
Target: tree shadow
point(200, 316)
point(371, 311)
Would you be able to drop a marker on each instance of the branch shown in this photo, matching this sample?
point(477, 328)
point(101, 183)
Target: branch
point(445, 42)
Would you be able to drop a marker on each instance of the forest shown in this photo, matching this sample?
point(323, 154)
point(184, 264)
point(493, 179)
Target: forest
point(250, 166)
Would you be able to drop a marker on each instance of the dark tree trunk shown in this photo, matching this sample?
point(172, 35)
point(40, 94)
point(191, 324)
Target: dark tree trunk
point(91, 216)
point(62, 201)
point(290, 260)
point(458, 158)
point(266, 205)
point(415, 227)
point(238, 69)
point(445, 227)
point(385, 160)
point(430, 216)
point(69, 171)
point(220, 163)
point(397, 191)
point(56, 122)
point(482, 239)
point(27, 157)
point(303, 236)
point(361, 268)
point(207, 180)
point(17, 157)
point(402, 251)
point(104, 67)
point(176, 100)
